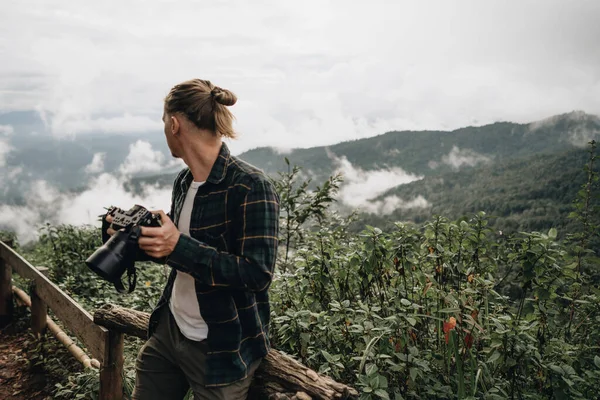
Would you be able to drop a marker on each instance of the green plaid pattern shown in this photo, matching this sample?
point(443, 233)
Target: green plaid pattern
point(231, 254)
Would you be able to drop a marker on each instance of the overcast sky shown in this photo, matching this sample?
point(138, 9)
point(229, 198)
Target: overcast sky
point(306, 72)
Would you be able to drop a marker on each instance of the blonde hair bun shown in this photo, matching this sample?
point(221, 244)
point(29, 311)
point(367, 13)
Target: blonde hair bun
point(223, 96)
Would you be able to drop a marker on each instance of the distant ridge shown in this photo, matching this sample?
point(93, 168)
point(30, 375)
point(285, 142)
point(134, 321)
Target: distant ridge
point(424, 152)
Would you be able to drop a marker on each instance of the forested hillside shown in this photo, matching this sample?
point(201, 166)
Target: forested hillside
point(430, 153)
point(533, 193)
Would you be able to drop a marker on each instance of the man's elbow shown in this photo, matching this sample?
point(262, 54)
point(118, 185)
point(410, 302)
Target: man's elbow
point(261, 281)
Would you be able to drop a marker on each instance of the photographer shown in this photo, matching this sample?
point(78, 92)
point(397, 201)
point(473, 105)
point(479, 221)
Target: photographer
point(209, 329)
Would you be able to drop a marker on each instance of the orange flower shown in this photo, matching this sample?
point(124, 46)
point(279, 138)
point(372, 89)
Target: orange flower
point(448, 326)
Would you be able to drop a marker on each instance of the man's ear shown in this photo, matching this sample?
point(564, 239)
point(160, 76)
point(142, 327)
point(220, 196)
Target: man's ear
point(175, 126)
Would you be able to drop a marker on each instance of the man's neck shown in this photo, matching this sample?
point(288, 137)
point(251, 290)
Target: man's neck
point(200, 158)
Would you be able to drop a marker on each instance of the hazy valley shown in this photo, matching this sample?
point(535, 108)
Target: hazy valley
point(526, 175)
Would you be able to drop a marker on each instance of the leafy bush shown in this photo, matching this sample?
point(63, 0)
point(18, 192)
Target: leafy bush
point(446, 309)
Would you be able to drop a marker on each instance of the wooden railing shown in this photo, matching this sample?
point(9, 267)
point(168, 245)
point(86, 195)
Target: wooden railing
point(278, 376)
point(104, 345)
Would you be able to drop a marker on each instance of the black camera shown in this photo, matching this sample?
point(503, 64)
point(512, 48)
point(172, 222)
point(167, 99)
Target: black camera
point(119, 252)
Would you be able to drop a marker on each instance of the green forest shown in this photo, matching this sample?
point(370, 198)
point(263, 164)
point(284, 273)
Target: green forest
point(457, 304)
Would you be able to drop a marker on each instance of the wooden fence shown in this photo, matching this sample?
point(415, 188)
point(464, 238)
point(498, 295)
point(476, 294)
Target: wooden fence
point(278, 376)
point(105, 345)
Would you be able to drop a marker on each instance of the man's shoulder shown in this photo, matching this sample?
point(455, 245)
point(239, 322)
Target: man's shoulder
point(246, 174)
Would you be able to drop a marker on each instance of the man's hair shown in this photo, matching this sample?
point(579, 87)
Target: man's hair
point(204, 104)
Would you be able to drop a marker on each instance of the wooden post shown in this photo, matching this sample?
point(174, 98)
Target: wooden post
point(111, 372)
point(6, 301)
point(39, 309)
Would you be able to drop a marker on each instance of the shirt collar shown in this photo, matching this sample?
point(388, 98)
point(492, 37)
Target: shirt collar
point(217, 172)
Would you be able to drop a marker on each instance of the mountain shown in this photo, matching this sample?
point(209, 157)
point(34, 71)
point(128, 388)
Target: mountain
point(532, 193)
point(525, 175)
point(429, 153)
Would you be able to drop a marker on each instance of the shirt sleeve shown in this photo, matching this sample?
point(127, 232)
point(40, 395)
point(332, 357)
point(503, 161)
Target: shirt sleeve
point(250, 266)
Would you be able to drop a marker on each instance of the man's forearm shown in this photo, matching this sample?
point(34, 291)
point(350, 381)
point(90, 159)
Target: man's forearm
point(220, 269)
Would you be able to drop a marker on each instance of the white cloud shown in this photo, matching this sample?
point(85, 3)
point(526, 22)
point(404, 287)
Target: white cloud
point(462, 157)
point(581, 128)
point(14, 172)
point(307, 74)
point(107, 190)
point(70, 125)
point(22, 220)
point(360, 187)
point(97, 164)
point(45, 203)
point(391, 203)
point(282, 150)
point(5, 147)
point(143, 159)
point(6, 130)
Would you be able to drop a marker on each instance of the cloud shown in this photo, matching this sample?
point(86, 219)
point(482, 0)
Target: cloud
point(391, 203)
point(45, 203)
point(360, 187)
point(5, 147)
point(14, 172)
point(282, 150)
point(70, 125)
point(581, 128)
point(462, 157)
point(143, 159)
point(6, 130)
point(307, 74)
point(97, 164)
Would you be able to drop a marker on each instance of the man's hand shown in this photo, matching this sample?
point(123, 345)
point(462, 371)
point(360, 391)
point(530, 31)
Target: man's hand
point(159, 242)
point(110, 231)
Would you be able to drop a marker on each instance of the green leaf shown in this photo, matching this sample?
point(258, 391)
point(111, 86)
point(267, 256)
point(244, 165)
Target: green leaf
point(557, 369)
point(494, 357)
point(413, 374)
point(552, 233)
point(597, 361)
point(382, 394)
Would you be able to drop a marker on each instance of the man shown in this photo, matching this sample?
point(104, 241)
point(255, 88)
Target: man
point(209, 329)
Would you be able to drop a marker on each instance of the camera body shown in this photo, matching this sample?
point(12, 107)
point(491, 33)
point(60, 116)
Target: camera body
point(136, 215)
point(118, 254)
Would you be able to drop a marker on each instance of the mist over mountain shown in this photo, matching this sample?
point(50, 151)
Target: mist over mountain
point(432, 152)
point(399, 175)
point(31, 153)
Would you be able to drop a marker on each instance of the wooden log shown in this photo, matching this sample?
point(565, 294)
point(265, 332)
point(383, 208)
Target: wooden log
point(278, 377)
point(6, 301)
point(124, 320)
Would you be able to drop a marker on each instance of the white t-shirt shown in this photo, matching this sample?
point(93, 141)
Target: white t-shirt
point(184, 303)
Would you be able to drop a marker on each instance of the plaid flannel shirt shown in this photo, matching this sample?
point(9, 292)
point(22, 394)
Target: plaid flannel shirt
point(231, 254)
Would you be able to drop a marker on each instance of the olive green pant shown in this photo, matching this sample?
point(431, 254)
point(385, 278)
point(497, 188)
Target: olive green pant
point(169, 364)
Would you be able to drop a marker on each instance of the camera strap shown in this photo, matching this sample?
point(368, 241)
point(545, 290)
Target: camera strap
point(132, 244)
point(131, 281)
